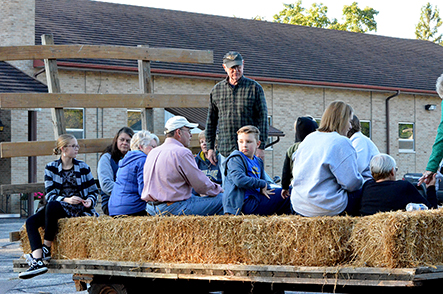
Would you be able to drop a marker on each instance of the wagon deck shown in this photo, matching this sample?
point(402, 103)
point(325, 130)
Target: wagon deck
point(281, 277)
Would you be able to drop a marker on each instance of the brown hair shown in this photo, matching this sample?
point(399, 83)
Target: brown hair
point(62, 141)
point(355, 126)
point(250, 130)
point(113, 149)
point(336, 118)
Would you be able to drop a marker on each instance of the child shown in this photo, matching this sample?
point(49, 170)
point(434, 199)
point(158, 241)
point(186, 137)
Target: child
point(246, 190)
point(203, 163)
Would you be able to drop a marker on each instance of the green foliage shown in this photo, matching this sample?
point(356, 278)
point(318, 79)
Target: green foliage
point(354, 18)
point(430, 22)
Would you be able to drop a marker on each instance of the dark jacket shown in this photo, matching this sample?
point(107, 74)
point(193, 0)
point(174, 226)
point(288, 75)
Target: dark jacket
point(392, 195)
point(237, 182)
point(128, 187)
point(210, 170)
point(304, 126)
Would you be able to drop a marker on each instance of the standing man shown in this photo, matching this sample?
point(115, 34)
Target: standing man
point(170, 173)
point(235, 102)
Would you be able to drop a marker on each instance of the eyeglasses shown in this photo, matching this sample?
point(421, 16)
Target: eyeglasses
point(186, 129)
point(74, 146)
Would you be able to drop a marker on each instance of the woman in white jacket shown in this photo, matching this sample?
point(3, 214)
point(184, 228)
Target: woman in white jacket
point(326, 180)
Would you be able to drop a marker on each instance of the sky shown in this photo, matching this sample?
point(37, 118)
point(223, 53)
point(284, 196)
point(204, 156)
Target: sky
point(395, 18)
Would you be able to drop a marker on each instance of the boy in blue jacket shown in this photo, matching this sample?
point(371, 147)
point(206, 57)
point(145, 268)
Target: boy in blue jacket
point(246, 190)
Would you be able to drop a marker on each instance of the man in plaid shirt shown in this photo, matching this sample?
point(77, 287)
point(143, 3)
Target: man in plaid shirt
point(235, 102)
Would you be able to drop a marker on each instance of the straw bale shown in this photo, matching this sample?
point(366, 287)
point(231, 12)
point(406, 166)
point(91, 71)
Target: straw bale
point(274, 240)
point(399, 239)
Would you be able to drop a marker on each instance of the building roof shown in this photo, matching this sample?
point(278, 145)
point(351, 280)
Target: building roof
point(273, 52)
point(13, 80)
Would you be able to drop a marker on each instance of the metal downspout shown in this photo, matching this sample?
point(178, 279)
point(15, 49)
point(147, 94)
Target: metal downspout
point(387, 119)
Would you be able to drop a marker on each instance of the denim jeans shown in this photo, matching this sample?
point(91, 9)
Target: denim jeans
point(260, 205)
point(195, 205)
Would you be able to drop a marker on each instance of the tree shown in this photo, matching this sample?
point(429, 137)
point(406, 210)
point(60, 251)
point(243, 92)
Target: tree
point(430, 22)
point(355, 19)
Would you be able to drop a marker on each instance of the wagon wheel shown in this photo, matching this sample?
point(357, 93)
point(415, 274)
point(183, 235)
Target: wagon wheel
point(107, 289)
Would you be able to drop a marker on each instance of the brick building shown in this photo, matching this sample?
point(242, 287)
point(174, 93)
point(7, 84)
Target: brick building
point(301, 69)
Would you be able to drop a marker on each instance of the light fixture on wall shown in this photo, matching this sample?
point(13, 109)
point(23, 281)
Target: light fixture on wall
point(430, 107)
point(2, 126)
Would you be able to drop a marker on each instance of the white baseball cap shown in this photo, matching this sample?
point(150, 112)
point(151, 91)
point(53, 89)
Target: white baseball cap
point(177, 122)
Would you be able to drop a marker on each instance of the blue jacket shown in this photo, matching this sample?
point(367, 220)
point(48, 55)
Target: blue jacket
point(237, 182)
point(128, 187)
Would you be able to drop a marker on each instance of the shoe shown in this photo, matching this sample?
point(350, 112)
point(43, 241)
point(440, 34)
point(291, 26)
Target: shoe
point(37, 268)
point(46, 252)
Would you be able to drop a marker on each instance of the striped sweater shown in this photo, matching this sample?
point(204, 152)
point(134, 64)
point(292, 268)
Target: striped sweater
point(85, 182)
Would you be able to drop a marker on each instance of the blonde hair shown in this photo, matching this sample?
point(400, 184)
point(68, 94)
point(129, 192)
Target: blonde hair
point(141, 138)
point(201, 135)
point(250, 130)
point(336, 118)
point(62, 141)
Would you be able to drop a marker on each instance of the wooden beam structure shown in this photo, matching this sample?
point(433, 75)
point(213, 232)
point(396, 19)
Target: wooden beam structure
point(105, 52)
point(58, 100)
point(44, 148)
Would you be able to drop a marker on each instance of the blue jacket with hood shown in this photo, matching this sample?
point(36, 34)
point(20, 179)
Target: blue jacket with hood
point(237, 182)
point(128, 187)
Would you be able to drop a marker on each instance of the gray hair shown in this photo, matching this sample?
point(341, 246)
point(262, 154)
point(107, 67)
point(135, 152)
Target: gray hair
point(381, 166)
point(141, 138)
point(439, 86)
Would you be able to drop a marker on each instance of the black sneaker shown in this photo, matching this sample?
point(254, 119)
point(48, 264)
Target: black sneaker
point(37, 268)
point(46, 252)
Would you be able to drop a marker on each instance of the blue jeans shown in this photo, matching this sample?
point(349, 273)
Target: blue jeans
point(259, 204)
point(195, 205)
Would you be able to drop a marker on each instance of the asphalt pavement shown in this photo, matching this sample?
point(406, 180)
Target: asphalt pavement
point(10, 283)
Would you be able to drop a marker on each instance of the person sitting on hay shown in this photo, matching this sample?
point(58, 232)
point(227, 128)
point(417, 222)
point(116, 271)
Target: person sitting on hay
point(326, 178)
point(246, 189)
point(70, 192)
point(170, 173)
point(384, 193)
point(125, 196)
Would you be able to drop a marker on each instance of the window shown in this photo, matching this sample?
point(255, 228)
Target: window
point(270, 139)
point(135, 119)
point(365, 128)
point(74, 119)
point(406, 137)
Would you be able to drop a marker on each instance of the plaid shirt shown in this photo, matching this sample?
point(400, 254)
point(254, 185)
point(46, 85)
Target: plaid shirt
point(232, 107)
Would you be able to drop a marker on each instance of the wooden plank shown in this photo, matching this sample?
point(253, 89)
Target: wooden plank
point(58, 100)
point(57, 114)
point(22, 188)
point(144, 80)
point(105, 52)
point(231, 272)
point(14, 236)
point(43, 148)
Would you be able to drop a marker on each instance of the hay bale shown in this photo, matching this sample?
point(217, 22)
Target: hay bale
point(274, 240)
point(399, 239)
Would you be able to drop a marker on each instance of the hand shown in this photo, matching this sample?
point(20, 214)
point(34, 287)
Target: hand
point(425, 178)
point(260, 153)
point(267, 192)
point(285, 193)
point(73, 200)
point(432, 181)
point(212, 157)
point(87, 203)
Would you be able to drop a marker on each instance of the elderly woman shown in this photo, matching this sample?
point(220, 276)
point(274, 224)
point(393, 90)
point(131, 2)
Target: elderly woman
point(326, 180)
point(125, 197)
point(384, 193)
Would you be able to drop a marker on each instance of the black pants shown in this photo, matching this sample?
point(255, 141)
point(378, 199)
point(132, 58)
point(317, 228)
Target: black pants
point(47, 218)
